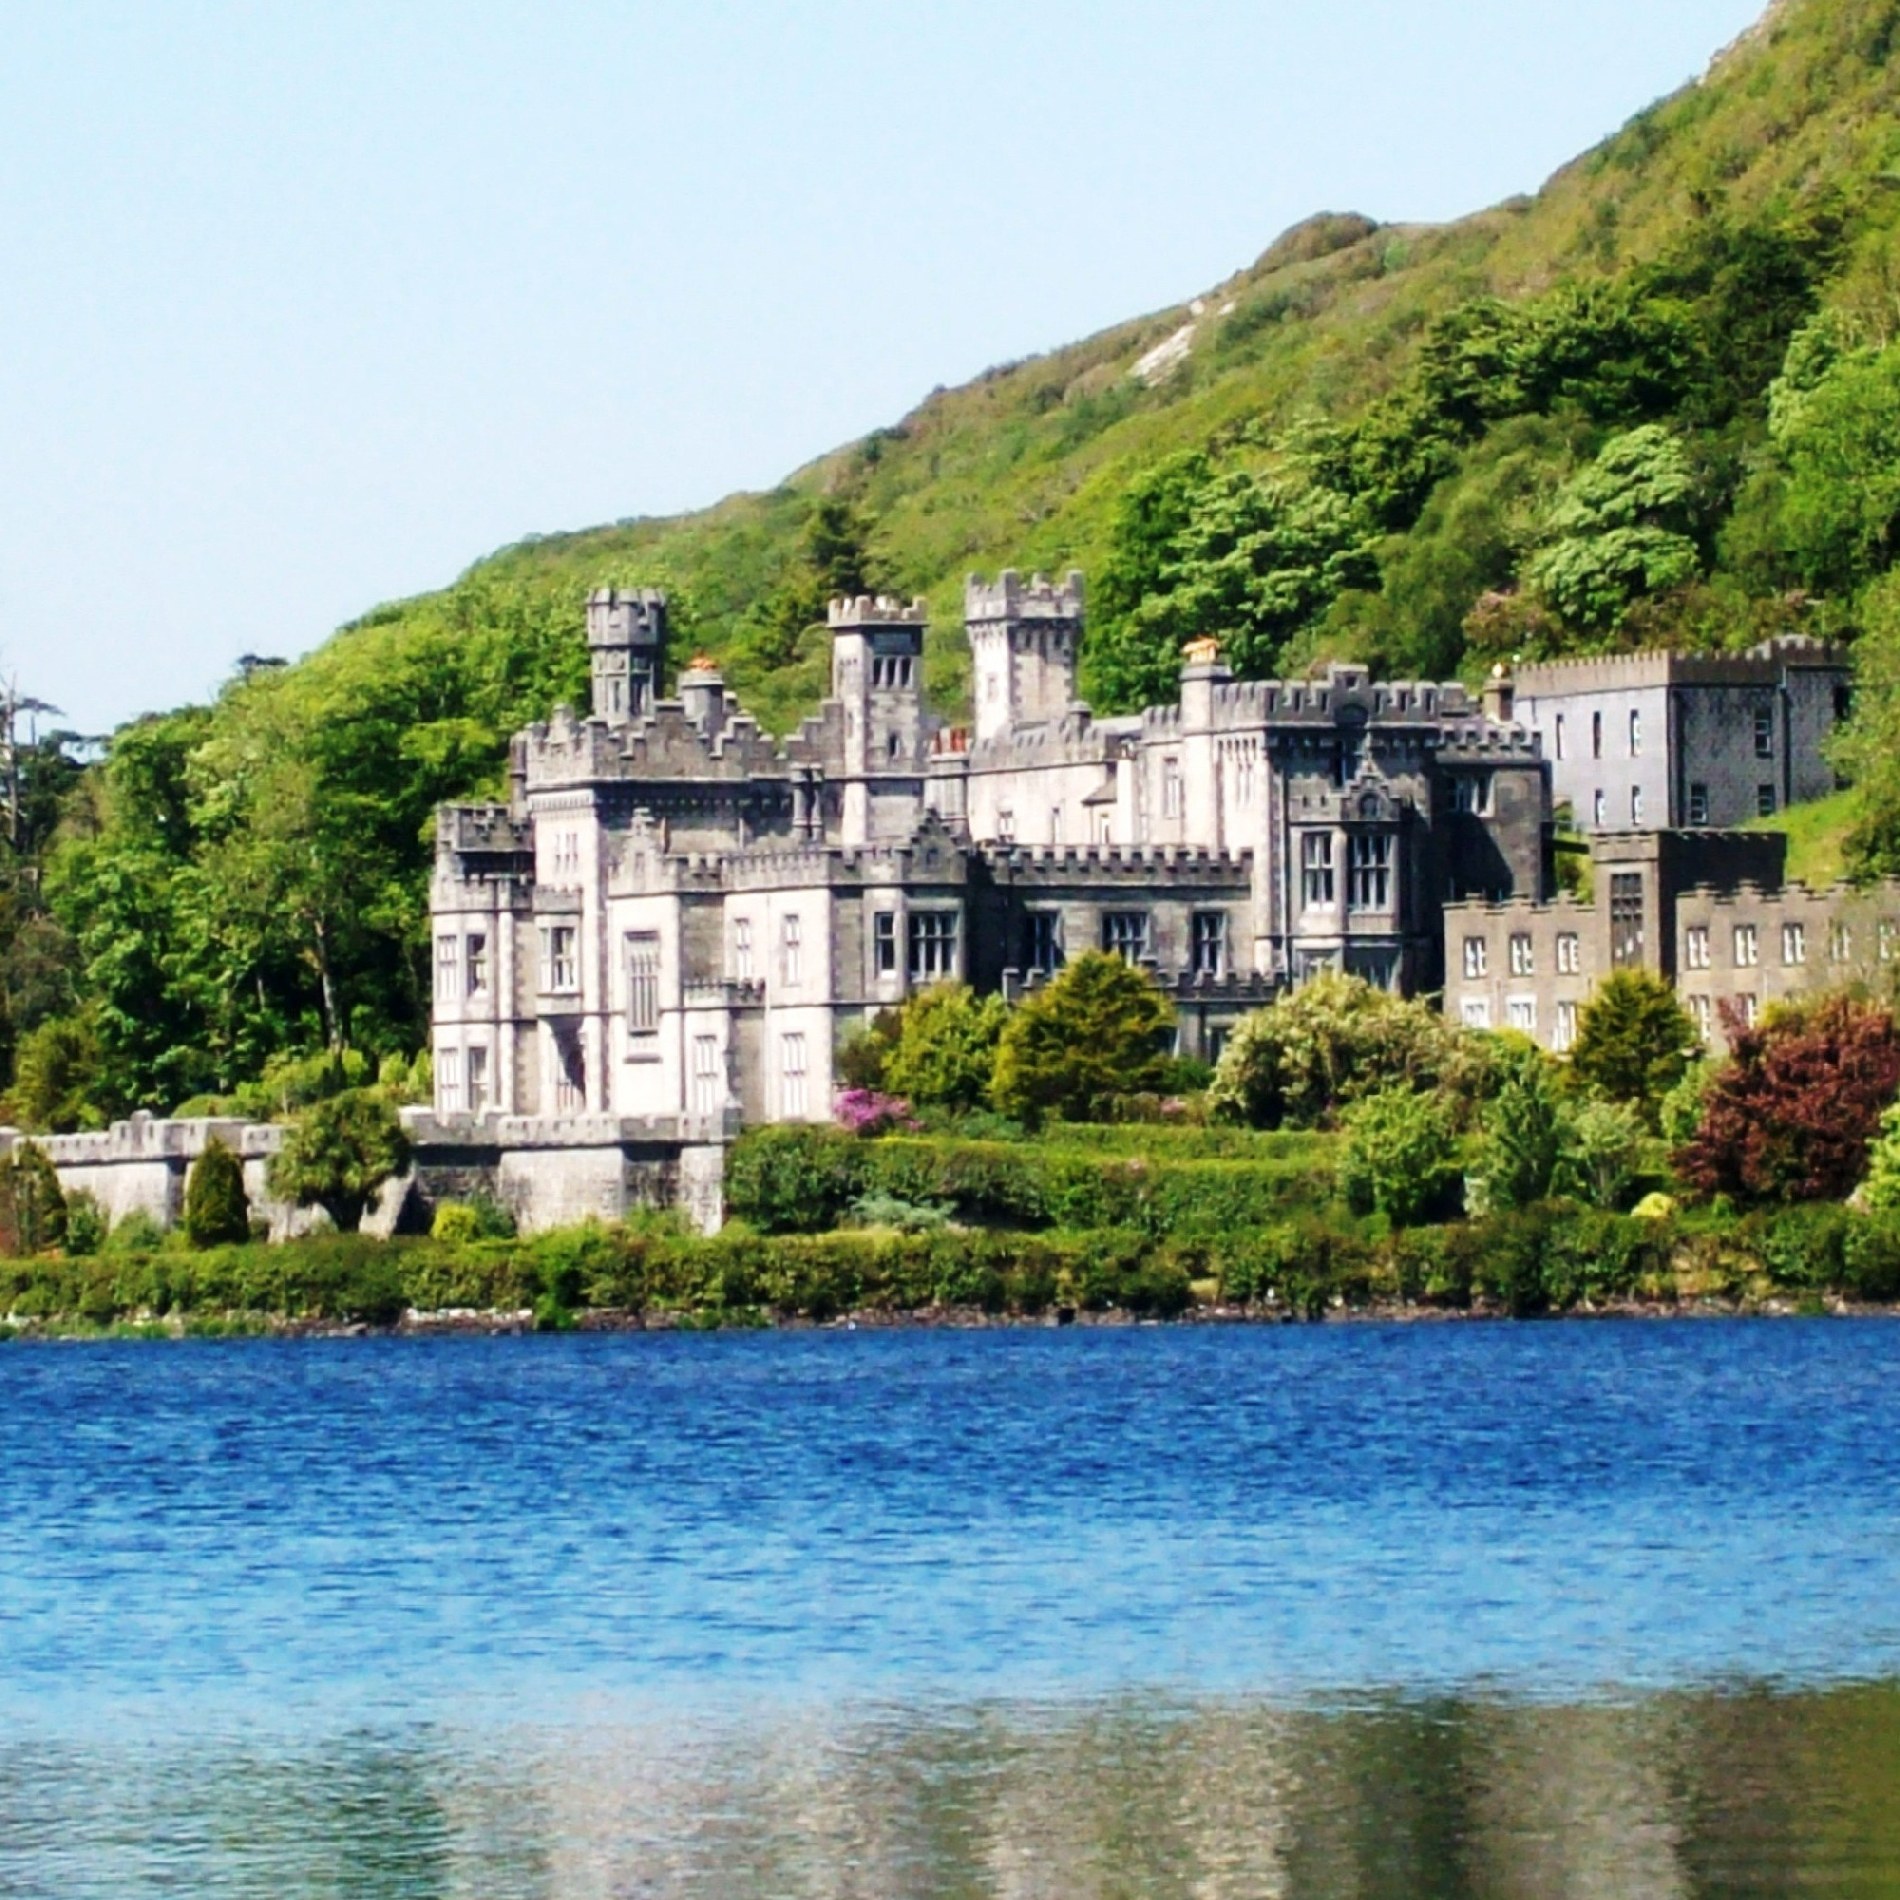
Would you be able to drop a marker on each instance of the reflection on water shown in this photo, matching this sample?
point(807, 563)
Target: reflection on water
point(1682, 1794)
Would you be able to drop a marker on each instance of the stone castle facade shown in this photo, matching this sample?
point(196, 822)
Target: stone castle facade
point(675, 919)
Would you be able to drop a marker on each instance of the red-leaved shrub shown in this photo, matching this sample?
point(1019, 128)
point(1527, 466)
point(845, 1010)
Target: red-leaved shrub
point(1789, 1118)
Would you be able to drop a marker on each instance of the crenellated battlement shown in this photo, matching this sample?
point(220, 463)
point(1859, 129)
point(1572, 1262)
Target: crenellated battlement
point(1010, 597)
point(868, 611)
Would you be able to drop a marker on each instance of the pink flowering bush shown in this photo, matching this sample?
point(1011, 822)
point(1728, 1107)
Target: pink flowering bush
point(870, 1112)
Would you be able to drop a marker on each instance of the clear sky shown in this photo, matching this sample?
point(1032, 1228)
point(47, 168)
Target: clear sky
point(306, 306)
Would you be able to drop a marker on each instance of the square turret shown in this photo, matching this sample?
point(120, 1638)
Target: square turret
point(1024, 637)
point(626, 636)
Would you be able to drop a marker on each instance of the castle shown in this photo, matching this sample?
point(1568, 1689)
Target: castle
point(676, 916)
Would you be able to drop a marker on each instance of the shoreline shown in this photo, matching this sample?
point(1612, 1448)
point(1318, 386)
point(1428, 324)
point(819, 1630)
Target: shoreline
point(467, 1323)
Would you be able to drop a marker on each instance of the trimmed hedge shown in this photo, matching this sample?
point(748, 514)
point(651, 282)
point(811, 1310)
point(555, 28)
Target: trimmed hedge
point(792, 1180)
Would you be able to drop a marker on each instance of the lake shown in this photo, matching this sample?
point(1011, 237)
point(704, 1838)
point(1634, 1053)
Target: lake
point(1591, 1609)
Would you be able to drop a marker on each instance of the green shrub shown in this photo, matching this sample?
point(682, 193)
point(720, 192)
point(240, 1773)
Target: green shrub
point(217, 1210)
point(136, 1233)
point(1093, 1038)
point(1401, 1155)
point(32, 1204)
point(338, 1154)
point(87, 1225)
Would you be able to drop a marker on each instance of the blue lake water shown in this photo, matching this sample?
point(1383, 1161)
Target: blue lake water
point(1593, 1609)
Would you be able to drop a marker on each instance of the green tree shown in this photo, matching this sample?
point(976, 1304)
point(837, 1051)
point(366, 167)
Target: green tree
point(1634, 1041)
point(1401, 1155)
point(217, 1210)
point(1523, 1137)
point(945, 1052)
point(1839, 437)
point(58, 1077)
point(337, 1155)
point(32, 1205)
point(1329, 1043)
point(1074, 1051)
point(1601, 1148)
point(1622, 530)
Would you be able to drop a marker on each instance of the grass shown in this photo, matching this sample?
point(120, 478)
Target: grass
point(1817, 838)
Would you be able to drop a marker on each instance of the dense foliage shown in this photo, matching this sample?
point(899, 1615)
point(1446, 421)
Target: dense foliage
point(1634, 1041)
point(217, 1209)
point(338, 1154)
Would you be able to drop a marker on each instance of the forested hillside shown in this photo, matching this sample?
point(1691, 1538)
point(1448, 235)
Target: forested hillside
point(1659, 401)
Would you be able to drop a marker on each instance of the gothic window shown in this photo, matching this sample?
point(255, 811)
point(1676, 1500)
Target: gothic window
point(1569, 954)
point(884, 943)
point(1125, 934)
point(1521, 1014)
point(1702, 1014)
point(560, 967)
point(707, 1089)
point(448, 1081)
point(1171, 797)
point(933, 946)
point(1596, 735)
point(1316, 870)
point(1560, 735)
point(445, 950)
point(476, 951)
point(1636, 804)
point(793, 1099)
point(1636, 735)
point(643, 983)
point(1747, 947)
point(1565, 1035)
point(1626, 920)
point(742, 949)
point(1840, 944)
point(477, 1079)
point(791, 951)
point(1523, 958)
point(1045, 941)
point(1476, 1012)
point(1599, 810)
point(1794, 943)
point(1764, 732)
point(1209, 945)
point(1371, 882)
point(1695, 947)
point(1477, 957)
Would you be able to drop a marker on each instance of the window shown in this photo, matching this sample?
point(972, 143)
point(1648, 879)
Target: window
point(1765, 801)
point(791, 944)
point(708, 1089)
point(742, 949)
point(1560, 735)
point(1125, 934)
point(476, 948)
point(1055, 824)
point(792, 1097)
point(1476, 1013)
point(1764, 732)
point(1171, 788)
point(1636, 735)
point(1471, 792)
point(1626, 919)
point(1596, 735)
point(1569, 954)
point(1045, 941)
point(1371, 882)
point(1794, 943)
point(1316, 870)
point(1209, 945)
point(933, 945)
point(1695, 947)
point(560, 972)
point(1521, 1013)
point(1565, 1035)
point(643, 983)
point(1702, 1015)
point(1698, 804)
point(1747, 947)
point(569, 1068)
point(477, 1080)
point(884, 943)
point(1105, 828)
point(444, 967)
point(1636, 804)
point(1477, 956)
point(448, 1081)
point(1840, 944)
point(1750, 1006)
point(1006, 826)
point(1599, 811)
point(1523, 958)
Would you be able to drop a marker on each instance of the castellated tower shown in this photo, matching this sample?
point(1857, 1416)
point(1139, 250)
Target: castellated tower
point(1023, 640)
point(877, 679)
point(626, 634)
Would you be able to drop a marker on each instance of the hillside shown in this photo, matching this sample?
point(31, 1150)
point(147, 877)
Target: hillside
point(1605, 414)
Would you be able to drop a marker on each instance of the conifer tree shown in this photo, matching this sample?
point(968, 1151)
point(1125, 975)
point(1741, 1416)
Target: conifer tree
point(217, 1210)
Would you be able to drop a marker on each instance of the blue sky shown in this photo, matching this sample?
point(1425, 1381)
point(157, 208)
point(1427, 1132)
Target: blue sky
point(306, 307)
